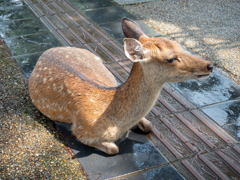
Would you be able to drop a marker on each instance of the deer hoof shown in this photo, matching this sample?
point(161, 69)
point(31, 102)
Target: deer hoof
point(145, 125)
point(110, 148)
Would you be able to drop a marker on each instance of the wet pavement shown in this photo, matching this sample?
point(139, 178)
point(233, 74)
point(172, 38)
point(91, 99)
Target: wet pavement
point(196, 123)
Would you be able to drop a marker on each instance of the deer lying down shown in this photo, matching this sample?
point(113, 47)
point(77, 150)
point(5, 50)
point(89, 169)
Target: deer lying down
point(72, 85)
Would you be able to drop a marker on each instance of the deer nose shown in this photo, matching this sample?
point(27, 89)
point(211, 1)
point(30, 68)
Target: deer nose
point(210, 67)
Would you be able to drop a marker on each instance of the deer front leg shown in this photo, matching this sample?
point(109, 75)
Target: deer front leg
point(108, 147)
point(145, 125)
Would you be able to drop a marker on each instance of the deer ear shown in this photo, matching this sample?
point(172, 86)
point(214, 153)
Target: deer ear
point(133, 49)
point(131, 29)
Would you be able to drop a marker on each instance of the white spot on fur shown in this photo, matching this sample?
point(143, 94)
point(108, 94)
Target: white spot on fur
point(45, 68)
point(61, 88)
point(44, 80)
point(51, 79)
point(96, 112)
point(60, 116)
point(77, 112)
point(94, 120)
point(59, 108)
point(54, 104)
point(66, 56)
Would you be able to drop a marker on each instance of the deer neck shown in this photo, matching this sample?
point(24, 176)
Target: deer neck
point(137, 95)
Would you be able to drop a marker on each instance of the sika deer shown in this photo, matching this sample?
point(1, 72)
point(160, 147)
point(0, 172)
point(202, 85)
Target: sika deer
point(72, 85)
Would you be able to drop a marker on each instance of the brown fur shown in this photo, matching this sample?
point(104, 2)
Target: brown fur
point(72, 85)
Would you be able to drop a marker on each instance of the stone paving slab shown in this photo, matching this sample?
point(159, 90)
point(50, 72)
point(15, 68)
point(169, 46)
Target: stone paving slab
point(162, 173)
point(184, 140)
point(15, 13)
point(28, 62)
point(31, 44)
point(91, 4)
point(108, 15)
point(136, 153)
point(115, 29)
point(217, 88)
point(20, 28)
point(227, 116)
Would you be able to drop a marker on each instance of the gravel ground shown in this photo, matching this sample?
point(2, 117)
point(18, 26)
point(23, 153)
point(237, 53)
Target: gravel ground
point(30, 144)
point(209, 28)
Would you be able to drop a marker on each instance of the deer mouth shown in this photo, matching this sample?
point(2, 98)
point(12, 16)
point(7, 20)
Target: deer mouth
point(202, 77)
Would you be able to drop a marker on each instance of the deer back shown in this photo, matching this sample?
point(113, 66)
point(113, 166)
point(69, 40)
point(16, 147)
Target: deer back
point(64, 78)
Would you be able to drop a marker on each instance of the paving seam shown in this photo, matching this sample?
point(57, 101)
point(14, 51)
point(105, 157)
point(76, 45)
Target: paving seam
point(213, 168)
point(219, 103)
point(23, 55)
point(195, 131)
point(192, 170)
point(210, 126)
point(229, 162)
point(58, 6)
point(179, 135)
point(183, 161)
point(148, 169)
point(76, 11)
point(46, 6)
point(25, 35)
point(86, 10)
point(157, 134)
point(154, 111)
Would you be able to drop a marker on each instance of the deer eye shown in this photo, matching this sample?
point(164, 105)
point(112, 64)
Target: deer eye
point(172, 60)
